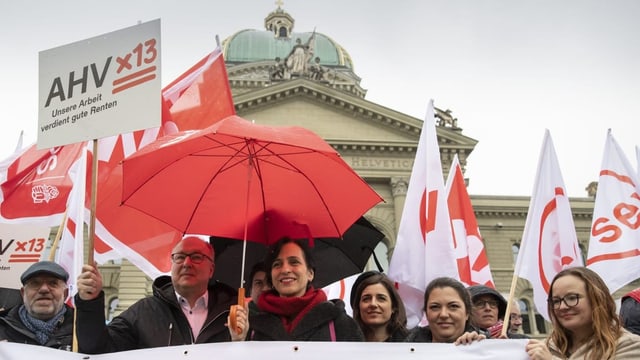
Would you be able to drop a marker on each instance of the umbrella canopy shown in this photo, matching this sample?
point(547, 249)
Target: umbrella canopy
point(276, 181)
point(335, 258)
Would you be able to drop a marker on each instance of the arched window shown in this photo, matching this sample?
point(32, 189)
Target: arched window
point(532, 321)
point(515, 249)
point(380, 255)
point(526, 320)
point(113, 304)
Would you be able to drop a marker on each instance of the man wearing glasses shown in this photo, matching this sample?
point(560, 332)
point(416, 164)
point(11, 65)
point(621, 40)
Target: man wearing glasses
point(43, 318)
point(515, 321)
point(186, 308)
point(488, 307)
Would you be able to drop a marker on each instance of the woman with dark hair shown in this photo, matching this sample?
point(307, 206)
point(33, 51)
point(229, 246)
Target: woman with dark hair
point(378, 308)
point(447, 304)
point(585, 323)
point(293, 309)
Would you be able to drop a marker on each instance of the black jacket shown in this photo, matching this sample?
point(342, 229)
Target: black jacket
point(154, 321)
point(423, 334)
point(314, 326)
point(630, 314)
point(9, 298)
point(13, 330)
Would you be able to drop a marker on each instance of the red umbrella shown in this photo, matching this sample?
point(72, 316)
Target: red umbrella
point(239, 180)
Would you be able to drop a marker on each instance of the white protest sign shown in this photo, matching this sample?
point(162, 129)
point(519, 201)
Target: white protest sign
point(278, 350)
point(20, 247)
point(98, 87)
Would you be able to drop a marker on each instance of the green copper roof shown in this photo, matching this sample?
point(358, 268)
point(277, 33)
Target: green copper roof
point(254, 45)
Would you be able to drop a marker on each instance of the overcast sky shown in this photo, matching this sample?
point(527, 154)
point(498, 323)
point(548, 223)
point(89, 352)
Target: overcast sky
point(507, 69)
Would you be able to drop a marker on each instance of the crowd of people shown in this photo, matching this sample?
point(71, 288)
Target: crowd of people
point(188, 307)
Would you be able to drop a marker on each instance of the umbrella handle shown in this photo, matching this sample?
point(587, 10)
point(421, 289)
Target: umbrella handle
point(233, 320)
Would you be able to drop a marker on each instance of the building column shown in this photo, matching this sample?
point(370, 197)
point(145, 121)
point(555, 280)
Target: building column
point(133, 286)
point(399, 186)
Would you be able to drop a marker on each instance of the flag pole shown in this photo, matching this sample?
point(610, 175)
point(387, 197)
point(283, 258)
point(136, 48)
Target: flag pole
point(56, 241)
point(92, 227)
point(507, 312)
point(512, 289)
point(94, 196)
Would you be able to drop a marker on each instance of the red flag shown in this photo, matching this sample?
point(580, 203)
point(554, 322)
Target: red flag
point(549, 241)
point(36, 185)
point(614, 245)
point(424, 249)
point(473, 264)
point(201, 96)
point(197, 99)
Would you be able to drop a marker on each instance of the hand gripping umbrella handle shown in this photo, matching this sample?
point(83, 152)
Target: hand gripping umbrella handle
point(233, 320)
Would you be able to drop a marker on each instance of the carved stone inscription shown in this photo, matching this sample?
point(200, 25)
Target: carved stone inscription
point(358, 162)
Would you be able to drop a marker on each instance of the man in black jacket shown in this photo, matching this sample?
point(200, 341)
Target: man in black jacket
point(43, 318)
point(630, 311)
point(185, 308)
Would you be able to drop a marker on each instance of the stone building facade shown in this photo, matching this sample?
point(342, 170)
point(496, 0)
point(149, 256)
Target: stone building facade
point(282, 77)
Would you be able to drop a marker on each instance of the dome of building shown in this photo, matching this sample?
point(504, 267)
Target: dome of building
point(278, 40)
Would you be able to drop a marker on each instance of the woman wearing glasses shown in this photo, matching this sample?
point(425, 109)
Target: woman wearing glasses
point(585, 323)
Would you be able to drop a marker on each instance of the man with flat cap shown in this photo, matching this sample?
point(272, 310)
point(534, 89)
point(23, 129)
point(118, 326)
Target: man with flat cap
point(43, 318)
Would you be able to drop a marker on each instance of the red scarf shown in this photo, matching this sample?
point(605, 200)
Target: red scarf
point(290, 309)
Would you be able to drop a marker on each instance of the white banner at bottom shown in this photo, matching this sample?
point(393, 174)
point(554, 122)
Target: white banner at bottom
point(486, 349)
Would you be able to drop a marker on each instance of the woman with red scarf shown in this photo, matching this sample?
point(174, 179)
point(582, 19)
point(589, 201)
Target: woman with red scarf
point(293, 310)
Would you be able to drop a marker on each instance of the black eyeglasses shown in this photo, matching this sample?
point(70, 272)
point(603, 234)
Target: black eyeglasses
point(480, 304)
point(196, 258)
point(570, 300)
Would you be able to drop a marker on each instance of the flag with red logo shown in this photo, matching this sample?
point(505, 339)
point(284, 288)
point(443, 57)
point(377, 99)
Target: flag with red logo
point(35, 185)
point(201, 96)
point(341, 289)
point(197, 99)
point(473, 264)
point(424, 248)
point(614, 245)
point(549, 241)
point(38, 182)
point(70, 252)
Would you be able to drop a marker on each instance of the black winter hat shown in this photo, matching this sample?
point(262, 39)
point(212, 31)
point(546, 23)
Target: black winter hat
point(478, 290)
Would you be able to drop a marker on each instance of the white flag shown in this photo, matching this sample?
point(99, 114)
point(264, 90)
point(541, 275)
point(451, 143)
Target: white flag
point(341, 289)
point(70, 254)
point(424, 248)
point(638, 160)
point(473, 264)
point(549, 241)
point(614, 245)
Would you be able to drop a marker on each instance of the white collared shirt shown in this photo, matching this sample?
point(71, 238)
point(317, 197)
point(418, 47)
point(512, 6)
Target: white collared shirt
point(196, 315)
